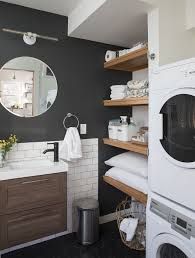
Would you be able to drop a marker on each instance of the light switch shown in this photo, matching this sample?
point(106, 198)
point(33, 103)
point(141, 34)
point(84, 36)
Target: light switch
point(83, 129)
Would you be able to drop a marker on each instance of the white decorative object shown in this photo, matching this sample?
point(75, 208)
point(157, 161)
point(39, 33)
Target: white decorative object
point(123, 130)
point(110, 55)
point(30, 38)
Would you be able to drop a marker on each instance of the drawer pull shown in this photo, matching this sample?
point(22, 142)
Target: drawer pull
point(35, 181)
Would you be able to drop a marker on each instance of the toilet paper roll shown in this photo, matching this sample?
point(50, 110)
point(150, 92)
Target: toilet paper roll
point(110, 55)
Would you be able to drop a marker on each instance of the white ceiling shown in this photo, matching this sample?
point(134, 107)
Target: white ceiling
point(62, 7)
point(116, 22)
point(120, 23)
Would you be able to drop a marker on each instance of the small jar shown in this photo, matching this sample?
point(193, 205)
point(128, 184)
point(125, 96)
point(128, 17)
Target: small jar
point(113, 129)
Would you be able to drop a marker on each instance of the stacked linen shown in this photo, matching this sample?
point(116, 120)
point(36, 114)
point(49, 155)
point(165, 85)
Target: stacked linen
point(130, 169)
point(118, 92)
point(136, 89)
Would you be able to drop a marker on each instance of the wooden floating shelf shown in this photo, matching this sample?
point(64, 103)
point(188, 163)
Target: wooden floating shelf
point(127, 102)
point(142, 149)
point(134, 61)
point(139, 196)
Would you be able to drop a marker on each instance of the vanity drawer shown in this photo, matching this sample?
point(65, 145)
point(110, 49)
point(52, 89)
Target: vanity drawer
point(30, 225)
point(31, 192)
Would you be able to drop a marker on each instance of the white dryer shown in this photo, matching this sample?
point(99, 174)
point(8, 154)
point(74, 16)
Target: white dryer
point(172, 133)
point(170, 230)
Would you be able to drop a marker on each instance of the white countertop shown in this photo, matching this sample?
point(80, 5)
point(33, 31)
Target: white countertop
point(31, 168)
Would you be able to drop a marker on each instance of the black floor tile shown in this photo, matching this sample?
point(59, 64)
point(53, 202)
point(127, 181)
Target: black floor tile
point(109, 246)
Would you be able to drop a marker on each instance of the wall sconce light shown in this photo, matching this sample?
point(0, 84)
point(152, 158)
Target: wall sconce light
point(30, 37)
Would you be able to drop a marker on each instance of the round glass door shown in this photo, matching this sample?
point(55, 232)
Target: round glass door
point(179, 128)
point(171, 251)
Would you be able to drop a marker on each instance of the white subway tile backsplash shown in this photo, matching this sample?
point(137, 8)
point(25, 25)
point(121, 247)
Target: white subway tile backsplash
point(25, 146)
point(95, 160)
point(86, 175)
point(87, 148)
point(40, 146)
point(95, 147)
point(80, 169)
point(82, 175)
point(92, 167)
point(92, 180)
point(32, 154)
point(86, 188)
point(15, 155)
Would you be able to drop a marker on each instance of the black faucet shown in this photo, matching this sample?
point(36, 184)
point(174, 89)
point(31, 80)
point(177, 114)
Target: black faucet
point(55, 150)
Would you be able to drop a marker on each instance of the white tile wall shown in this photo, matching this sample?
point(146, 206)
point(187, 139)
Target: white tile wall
point(82, 178)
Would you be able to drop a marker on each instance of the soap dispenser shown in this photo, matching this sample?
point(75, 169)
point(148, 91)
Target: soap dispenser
point(123, 130)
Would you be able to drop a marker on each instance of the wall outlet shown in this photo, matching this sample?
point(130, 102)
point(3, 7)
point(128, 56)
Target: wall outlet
point(83, 129)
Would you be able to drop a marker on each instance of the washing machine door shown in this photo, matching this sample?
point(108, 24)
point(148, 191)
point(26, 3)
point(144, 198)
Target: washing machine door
point(170, 246)
point(178, 127)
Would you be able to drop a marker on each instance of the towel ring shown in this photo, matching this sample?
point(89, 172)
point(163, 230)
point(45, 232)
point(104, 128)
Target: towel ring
point(68, 116)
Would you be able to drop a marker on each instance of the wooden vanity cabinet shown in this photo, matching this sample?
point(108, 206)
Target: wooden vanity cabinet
point(32, 208)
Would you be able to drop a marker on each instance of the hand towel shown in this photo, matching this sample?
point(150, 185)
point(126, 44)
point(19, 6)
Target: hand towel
point(71, 146)
point(129, 227)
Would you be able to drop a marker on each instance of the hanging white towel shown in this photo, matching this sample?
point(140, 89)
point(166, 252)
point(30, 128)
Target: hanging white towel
point(129, 227)
point(71, 146)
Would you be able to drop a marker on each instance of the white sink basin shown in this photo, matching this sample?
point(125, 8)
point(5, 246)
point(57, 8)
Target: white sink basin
point(30, 164)
point(30, 168)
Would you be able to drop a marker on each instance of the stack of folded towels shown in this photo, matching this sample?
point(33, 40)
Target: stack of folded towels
point(136, 89)
point(131, 169)
point(118, 92)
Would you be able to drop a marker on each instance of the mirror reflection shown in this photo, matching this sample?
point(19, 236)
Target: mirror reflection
point(28, 87)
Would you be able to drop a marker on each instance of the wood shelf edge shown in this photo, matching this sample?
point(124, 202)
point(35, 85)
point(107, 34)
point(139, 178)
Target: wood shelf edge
point(116, 63)
point(127, 102)
point(139, 196)
point(141, 149)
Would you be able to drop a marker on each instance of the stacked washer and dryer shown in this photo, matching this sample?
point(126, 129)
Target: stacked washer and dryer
point(171, 205)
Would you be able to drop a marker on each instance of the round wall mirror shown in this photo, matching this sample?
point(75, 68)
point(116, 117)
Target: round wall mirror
point(28, 87)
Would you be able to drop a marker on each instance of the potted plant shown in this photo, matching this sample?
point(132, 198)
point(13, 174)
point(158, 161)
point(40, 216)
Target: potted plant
point(5, 146)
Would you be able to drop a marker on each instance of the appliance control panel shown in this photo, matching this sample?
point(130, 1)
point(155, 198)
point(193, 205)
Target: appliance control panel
point(179, 222)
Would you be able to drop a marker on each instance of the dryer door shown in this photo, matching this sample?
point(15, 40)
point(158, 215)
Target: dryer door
point(169, 246)
point(178, 137)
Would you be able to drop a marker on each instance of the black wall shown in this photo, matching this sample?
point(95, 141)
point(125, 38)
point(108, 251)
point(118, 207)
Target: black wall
point(82, 85)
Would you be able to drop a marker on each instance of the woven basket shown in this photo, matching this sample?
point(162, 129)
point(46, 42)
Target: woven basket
point(131, 209)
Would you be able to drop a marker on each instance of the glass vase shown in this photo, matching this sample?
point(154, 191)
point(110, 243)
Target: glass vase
point(2, 158)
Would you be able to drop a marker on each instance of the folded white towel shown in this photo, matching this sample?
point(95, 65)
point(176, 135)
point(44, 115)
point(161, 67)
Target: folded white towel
point(118, 95)
point(118, 91)
point(71, 146)
point(129, 226)
point(116, 98)
point(120, 87)
point(141, 84)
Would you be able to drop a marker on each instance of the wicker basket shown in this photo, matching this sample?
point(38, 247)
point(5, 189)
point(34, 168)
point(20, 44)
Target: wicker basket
point(131, 209)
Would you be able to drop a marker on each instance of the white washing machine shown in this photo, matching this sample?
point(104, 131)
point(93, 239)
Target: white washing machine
point(170, 230)
point(172, 133)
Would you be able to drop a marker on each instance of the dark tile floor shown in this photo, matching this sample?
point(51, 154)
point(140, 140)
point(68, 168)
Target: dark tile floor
point(109, 246)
